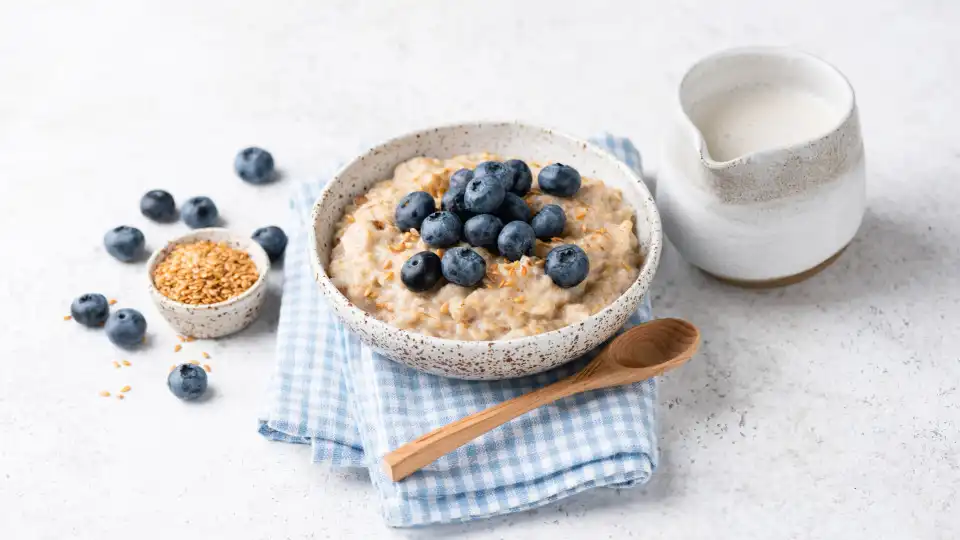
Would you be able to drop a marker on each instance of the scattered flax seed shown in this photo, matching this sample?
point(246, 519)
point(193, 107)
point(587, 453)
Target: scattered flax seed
point(181, 338)
point(379, 224)
point(414, 233)
point(508, 283)
point(399, 248)
point(120, 396)
point(205, 355)
point(502, 282)
point(625, 266)
point(445, 308)
point(350, 218)
point(388, 265)
point(173, 367)
point(104, 393)
point(177, 347)
point(112, 301)
point(389, 275)
point(580, 214)
point(67, 317)
point(207, 368)
point(440, 252)
point(519, 299)
point(523, 270)
point(556, 239)
point(191, 339)
point(116, 364)
point(204, 272)
point(125, 389)
point(194, 362)
point(359, 200)
point(126, 363)
point(370, 293)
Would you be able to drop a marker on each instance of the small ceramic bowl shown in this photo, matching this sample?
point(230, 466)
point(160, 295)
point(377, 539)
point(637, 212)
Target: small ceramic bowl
point(222, 318)
point(499, 359)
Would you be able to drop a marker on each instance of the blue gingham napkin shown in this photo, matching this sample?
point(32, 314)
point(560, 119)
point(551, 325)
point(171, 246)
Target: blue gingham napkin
point(353, 406)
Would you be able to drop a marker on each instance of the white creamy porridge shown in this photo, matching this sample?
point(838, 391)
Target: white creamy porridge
point(515, 299)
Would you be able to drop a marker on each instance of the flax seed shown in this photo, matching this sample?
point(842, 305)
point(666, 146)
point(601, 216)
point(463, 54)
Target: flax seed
point(207, 368)
point(388, 264)
point(125, 389)
point(181, 338)
point(204, 272)
point(112, 301)
point(626, 266)
point(580, 214)
point(205, 355)
point(523, 270)
point(173, 367)
point(359, 200)
point(116, 364)
point(191, 339)
point(194, 362)
point(120, 396)
point(67, 317)
point(104, 393)
point(177, 347)
point(445, 308)
point(440, 252)
point(519, 299)
point(389, 275)
point(126, 363)
point(350, 218)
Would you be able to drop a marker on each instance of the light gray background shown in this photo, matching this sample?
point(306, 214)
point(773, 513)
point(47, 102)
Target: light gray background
point(824, 410)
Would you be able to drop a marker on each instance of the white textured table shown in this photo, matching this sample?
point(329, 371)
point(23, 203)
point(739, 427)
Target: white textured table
point(824, 410)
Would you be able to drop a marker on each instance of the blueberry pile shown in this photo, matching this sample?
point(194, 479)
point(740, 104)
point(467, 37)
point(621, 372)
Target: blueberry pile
point(485, 208)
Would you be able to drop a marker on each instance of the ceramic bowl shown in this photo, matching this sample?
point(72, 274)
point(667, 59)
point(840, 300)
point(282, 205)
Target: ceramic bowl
point(222, 318)
point(483, 359)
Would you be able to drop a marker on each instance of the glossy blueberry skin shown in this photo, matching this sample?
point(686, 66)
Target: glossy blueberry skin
point(126, 327)
point(567, 265)
point(559, 179)
point(496, 170)
point(514, 208)
point(90, 309)
point(187, 381)
point(484, 194)
point(459, 179)
point(520, 176)
point(452, 201)
point(482, 230)
point(199, 212)
point(254, 165)
point(441, 229)
point(516, 240)
point(421, 272)
point(158, 205)
point(272, 239)
point(463, 266)
point(412, 209)
point(549, 221)
point(124, 243)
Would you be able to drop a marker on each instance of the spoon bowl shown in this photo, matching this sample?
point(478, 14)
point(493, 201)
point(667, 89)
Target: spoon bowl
point(644, 351)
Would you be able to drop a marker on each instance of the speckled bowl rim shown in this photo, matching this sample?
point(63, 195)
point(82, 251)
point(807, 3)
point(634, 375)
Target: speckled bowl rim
point(195, 235)
point(650, 262)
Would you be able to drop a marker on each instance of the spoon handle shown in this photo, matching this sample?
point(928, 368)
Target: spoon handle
point(426, 449)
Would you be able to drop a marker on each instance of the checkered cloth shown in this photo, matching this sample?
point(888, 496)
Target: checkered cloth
point(353, 406)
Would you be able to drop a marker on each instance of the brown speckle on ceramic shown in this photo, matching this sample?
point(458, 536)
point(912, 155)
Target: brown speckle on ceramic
point(223, 318)
point(484, 359)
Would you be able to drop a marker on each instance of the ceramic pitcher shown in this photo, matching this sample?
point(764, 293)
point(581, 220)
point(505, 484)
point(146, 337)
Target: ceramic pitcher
point(778, 195)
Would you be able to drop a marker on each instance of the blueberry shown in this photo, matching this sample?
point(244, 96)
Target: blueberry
point(421, 272)
point(549, 221)
point(567, 265)
point(460, 178)
point(497, 170)
point(441, 229)
point(513, 208)
point(482, 230)
point(453, 202)
point(412, 209)
point(158, 205)
point(199, 212)
point(126, 327)
point(254, 165)
point(520, 176)
point(484, 194)
point(187, 381)
point(559, 179)
point(516, 240)
point(272, 239)
point(90, 309)
point(124, 243)
point(463, 266)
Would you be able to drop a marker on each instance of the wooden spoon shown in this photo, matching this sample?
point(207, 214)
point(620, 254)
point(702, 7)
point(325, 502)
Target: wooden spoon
point(638, 354)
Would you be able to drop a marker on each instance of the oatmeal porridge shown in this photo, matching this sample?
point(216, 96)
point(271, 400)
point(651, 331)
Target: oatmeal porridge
point(518, 294)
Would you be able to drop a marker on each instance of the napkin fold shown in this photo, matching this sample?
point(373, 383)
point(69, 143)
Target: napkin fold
point(353, 406)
